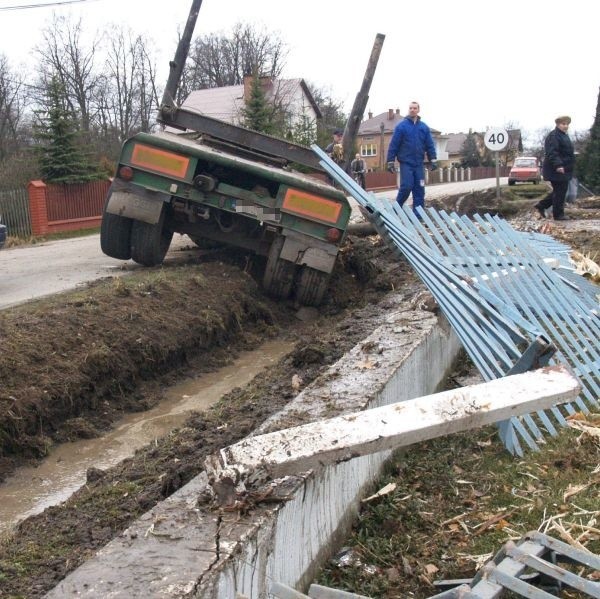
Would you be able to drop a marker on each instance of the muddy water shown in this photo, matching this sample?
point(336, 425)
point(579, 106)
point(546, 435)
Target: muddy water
point(31, 490)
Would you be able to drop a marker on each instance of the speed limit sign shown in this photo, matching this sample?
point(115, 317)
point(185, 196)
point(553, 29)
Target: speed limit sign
point(495, 139)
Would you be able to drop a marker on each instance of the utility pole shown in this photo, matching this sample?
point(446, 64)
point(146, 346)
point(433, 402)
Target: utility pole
point(178, 62)
point(360, 103)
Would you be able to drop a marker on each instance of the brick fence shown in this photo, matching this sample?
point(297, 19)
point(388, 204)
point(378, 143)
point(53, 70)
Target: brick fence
point(62, 207)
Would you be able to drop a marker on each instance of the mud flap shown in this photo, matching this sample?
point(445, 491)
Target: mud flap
point(309, 252)
point(142, 205)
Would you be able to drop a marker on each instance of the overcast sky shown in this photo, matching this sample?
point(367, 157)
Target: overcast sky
point(470, 63)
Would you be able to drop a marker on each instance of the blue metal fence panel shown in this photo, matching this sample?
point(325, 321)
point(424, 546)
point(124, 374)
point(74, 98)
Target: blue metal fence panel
point(500, 289)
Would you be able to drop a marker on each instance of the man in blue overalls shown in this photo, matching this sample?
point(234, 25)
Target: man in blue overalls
point(410, 142)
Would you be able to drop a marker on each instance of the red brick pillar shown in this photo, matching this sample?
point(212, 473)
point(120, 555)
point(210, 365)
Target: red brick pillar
point(37, 207)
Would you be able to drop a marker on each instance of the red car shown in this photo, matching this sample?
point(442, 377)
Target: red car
point(525, 170)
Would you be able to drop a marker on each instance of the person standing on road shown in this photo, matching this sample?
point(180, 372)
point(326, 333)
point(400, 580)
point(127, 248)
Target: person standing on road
point(559, 160)
point(410, 143)
point(357, 168)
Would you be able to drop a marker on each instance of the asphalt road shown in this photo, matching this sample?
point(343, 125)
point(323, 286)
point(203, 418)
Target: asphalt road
point(29, 272)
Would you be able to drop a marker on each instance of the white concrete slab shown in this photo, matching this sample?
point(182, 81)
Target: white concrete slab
point(318, 444)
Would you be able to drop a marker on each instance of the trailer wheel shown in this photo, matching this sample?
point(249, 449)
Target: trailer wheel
point(149, 243)
point(115, 235)
point(279, 273)
point(311, 286)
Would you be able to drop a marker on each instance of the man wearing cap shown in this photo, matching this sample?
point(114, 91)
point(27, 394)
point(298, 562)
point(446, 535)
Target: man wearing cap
point(409, 144)
point(559, 160)
point(335, 149)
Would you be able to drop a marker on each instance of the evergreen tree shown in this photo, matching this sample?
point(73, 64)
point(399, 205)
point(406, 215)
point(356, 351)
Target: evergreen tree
point(304, 131)
point(470, 151)
point(258, 113)
point(588, 162)
point(60, 158)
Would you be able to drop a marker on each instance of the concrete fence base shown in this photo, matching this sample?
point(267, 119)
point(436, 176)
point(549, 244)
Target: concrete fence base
point(183, 548)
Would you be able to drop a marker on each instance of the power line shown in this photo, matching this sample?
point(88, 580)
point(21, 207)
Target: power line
point(26, 6)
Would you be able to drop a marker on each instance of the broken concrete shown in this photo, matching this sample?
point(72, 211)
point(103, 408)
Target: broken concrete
point(328, 442)
point(183, 549)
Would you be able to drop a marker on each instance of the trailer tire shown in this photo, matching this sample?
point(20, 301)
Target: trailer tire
point(149, 243)
point(311, 286)
point(279, 273)
point(115, 235)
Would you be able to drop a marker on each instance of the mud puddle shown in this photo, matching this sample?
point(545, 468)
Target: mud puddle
point(32, 489)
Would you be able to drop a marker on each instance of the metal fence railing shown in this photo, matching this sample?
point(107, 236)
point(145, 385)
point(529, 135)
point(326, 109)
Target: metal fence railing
point(501, 296)
point(75, 201)
point(14, 212)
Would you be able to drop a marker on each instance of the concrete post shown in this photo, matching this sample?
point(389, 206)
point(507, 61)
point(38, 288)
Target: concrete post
point(306, 447)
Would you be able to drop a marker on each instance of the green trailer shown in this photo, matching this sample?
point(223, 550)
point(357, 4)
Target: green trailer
point(227, 192)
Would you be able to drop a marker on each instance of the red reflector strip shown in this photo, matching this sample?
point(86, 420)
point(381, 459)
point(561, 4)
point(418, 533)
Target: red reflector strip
point(311, 206)
point(160, 161)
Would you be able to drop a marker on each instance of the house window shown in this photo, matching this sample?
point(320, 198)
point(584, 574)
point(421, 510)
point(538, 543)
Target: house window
point(368, 150)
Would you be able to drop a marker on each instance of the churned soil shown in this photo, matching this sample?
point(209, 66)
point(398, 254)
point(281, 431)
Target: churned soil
point(72, 364)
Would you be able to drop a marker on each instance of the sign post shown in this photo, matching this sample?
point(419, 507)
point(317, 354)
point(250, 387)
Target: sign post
point(496, 140)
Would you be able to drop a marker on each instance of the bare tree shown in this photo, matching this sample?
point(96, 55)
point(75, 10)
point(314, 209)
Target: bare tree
point(63, 55)
point(219, 60)
point(332, 111)
point(128, 94)
point(12, 101)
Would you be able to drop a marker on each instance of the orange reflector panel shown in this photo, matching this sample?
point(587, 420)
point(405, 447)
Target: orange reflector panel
point(311, 206)
point(160, 161)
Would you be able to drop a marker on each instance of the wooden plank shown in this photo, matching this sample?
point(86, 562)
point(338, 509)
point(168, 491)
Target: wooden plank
point(314, 445)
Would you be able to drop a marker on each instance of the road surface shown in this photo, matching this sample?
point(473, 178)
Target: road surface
point(29, 272)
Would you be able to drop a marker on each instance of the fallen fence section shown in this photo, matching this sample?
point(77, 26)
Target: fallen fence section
point(528, 568)
point(499, 294)
point(538, 555)
point(315, 445)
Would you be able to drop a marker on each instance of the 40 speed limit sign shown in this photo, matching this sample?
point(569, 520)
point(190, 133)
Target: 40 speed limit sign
point(495, 139)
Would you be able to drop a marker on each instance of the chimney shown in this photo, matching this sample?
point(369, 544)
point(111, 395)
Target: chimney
point(247, 86)
point(266, 83)
point(398, 111)
point(390, 114)
point(370, 114)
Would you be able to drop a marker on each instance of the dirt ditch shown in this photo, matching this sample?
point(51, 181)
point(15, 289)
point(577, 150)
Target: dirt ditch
point(71, 364)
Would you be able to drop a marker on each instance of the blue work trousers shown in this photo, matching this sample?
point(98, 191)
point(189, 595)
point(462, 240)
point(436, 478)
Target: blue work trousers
point(412, 179)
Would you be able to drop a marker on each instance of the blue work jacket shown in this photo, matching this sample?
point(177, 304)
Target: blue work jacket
point(410, 142)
